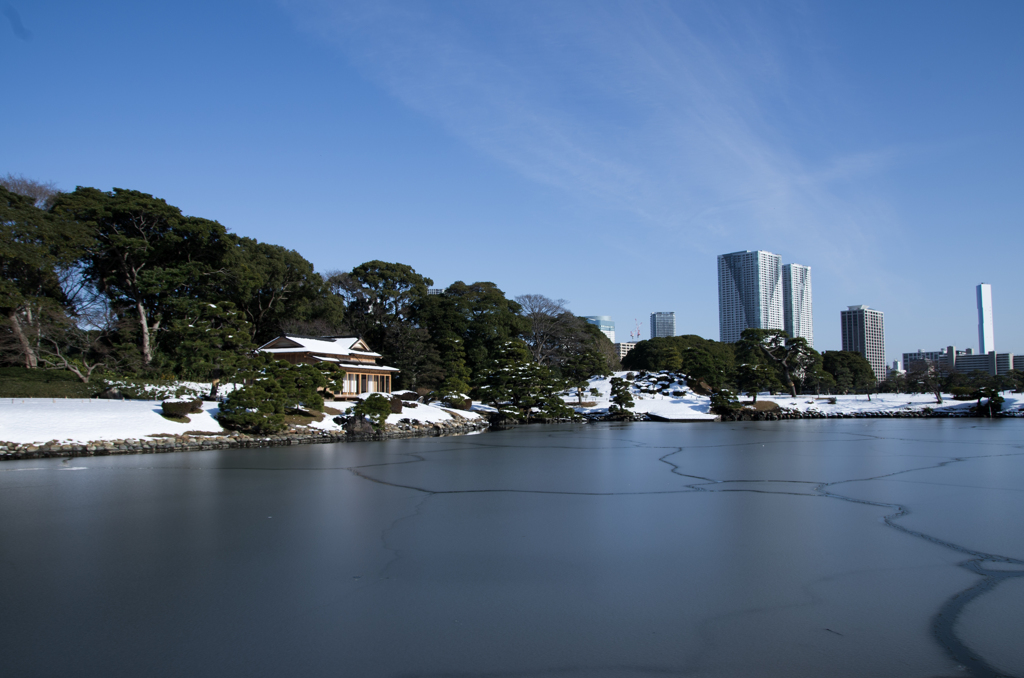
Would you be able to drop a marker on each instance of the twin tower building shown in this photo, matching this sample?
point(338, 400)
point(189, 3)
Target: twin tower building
point(755, 290)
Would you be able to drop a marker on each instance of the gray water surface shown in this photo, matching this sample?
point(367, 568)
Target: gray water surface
point(802, 548)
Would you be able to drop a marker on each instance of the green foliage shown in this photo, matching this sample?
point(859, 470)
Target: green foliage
point(377, 407)
point(383, 300)
point(816, 377)
point(181, 408)
point(791, 357)
point(700, 359)
point(851, 371)
point(276, 388)
point(208, 342)
point(144, 253)
point(36, 252)
point(514, 384)
point(724, 402)
point(276, 289)
point(993, 401)
point(21, 382)
point(753, 377)
point(622, 399)
point(456, 372)
point(479, 315)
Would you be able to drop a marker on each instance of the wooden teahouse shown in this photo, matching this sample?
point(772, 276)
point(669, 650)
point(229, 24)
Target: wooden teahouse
point(362, 373)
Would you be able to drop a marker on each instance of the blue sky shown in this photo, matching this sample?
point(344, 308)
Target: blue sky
point(599, 152)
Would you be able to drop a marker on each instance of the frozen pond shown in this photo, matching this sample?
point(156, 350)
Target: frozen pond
point(800, 548)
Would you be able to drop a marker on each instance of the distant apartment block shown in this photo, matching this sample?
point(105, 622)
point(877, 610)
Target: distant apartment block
point(986, 333)
point(663, 324)
point(749, 293)
point(863, 331)
point(796, 302)
point(966, 361)
point(435, 290)
point(919, 356)
point(624, 347)
point(604, 323)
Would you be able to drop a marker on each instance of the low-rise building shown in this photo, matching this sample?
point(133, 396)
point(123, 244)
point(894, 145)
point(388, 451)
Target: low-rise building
point(351, 354)
point(624, 347)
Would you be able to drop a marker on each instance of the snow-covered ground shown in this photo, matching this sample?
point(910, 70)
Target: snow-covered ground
point(659, 400)
point(41, 420)
point(688, 406)
point(420, 414)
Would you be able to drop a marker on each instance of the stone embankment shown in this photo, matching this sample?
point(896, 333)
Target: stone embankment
point(213, 441)
point(783, 414)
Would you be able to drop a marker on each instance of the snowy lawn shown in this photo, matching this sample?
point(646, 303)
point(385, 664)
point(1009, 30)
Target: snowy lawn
point(41, 420)
point(420, 414)
point(691, 406)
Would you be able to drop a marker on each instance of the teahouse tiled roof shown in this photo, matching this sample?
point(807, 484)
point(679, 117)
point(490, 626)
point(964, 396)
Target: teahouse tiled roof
point(347, 352)
point(325, 346)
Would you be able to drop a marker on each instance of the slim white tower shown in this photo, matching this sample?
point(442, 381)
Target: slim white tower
point(796, 301)
point(986, 334)
point(749, 293)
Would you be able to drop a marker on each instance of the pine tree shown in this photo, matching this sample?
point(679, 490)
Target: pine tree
point(622, 400)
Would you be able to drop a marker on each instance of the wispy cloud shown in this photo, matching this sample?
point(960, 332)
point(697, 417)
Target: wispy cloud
point(14, 19)
point(681, 113)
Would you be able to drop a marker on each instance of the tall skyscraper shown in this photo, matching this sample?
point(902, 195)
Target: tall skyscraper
point(864, 333)
point(663, 324)
point(796, 302)
point(986, 333)
point(749, 293)
point(604, 323)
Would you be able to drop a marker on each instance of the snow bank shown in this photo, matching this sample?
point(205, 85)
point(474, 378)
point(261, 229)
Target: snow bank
point(693, 407)
point(38, 420)
point(41, 420)
point(419, 414)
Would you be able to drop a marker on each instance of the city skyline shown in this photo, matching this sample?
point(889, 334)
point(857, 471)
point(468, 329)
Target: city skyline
point(669, 133)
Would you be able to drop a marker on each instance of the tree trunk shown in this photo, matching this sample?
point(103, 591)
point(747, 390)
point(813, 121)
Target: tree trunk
point(789, 381)
point(147, 354)
point(755, 396)
point(31, 360)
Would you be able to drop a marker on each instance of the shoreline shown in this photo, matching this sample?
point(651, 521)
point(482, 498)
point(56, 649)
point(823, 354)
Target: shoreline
point(196, 442)
point(199, 441)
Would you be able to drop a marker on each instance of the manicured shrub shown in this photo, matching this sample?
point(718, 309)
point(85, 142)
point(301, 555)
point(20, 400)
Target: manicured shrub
point(181, 408)
point(257, 408)
point(724, 402)
point(377, 407)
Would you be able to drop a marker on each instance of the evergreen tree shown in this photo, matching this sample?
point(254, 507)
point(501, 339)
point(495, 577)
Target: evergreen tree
point(515, 385)
point(144, 254)
point(754, 377)
point(208, 342)
point(376, 407)
point(274, 388)
point(622, 399)
point(791, 356)
point(34, 249)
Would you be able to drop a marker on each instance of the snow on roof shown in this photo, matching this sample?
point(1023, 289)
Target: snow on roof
point(333, 346)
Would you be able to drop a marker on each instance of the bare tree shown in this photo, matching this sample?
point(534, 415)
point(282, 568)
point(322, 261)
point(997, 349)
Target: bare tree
point(550, 323)
point(41, 193)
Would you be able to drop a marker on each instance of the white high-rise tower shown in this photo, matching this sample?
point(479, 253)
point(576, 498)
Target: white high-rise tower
point(749, 293)
point(796, 302)
point(986, 334)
